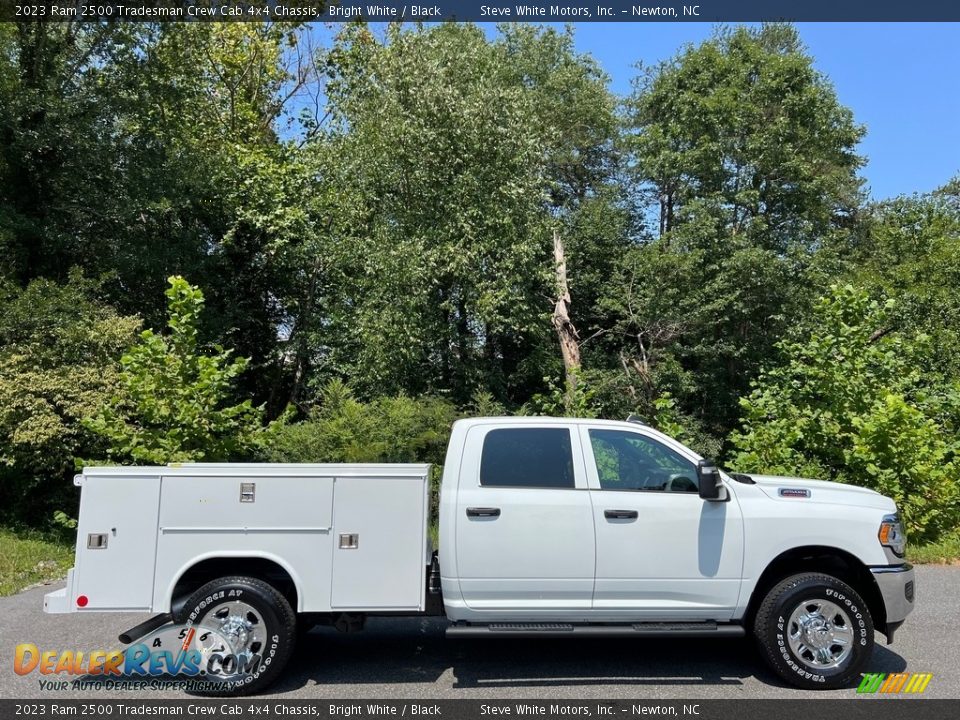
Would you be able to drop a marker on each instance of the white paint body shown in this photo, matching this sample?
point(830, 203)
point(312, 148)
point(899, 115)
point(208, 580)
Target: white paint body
point(161, 521)
point(550, 554)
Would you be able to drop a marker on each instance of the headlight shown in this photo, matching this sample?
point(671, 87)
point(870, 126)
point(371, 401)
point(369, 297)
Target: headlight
point(891, 535)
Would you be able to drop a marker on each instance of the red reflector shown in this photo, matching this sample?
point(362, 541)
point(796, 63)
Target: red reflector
point(82, 601)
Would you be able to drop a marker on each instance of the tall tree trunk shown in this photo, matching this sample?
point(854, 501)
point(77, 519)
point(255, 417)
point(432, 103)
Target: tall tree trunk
point(566, 332)
point(299, 340)
point(463, 350)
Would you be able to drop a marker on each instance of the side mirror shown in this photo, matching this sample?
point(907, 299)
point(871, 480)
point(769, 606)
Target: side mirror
point(708, 478)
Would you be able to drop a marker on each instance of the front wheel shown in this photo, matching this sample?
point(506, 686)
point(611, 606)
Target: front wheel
point(246, 632)
point(815, 631)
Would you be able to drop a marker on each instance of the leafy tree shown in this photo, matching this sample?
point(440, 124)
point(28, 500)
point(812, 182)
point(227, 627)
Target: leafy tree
point(746, 161)
point(908, 249)
point(54, 126)
point(575, 120)
point(744, 129)
point(155, 149)
point(235, 100)
point(573, 396)
point(58, 345)
point(434, 280)
point(852, 402)
point(451, 191)
point(174, 401)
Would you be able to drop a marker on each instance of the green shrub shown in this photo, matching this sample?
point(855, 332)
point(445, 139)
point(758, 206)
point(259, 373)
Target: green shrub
point(385, 429)
point(174, 404)
point(58, 350)
point(854, 402)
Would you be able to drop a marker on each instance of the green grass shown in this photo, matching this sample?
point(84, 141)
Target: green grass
point(28, 558)
point(946, 550)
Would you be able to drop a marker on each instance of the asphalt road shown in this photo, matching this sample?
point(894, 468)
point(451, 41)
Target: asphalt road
point(411, 659)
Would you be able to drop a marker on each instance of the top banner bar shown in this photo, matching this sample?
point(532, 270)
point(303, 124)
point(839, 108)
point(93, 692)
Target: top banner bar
point(482, 11)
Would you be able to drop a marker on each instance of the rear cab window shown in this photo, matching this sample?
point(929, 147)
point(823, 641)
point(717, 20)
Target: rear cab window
point(523, 457)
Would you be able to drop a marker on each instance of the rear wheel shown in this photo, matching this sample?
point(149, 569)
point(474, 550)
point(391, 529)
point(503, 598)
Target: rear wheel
point(815, 631)
point(246, 630)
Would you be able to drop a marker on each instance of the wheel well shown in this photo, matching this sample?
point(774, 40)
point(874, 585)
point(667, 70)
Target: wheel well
point(213, 568)
point(830, 561)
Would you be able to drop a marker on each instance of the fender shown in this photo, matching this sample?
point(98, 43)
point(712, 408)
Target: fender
point(167, 597)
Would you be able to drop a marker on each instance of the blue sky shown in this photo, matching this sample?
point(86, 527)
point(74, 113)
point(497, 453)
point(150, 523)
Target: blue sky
point(902, 80)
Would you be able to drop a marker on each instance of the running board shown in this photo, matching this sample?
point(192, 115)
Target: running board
point(648, 630)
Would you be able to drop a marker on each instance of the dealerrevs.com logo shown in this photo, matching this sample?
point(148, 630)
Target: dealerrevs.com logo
point(894, 683)
point(184, 653)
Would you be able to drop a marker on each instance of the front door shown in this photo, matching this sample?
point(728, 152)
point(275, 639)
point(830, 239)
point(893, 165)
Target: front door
point(524, 523)
point(663, 553)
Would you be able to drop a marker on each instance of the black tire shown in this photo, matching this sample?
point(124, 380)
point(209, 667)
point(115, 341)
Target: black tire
point(775, 625)
point(279, 621)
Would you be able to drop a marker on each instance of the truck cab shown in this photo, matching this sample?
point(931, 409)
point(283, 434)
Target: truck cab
point(590, 521)
point(601, 525)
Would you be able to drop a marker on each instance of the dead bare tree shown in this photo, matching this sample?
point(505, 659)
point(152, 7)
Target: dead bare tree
point(566, 331)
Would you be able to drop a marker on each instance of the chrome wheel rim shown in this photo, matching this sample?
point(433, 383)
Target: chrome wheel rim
point(820, 634)
point(234, 630)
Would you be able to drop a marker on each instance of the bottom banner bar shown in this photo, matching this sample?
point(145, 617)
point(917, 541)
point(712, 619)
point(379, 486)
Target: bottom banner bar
point(851, 709)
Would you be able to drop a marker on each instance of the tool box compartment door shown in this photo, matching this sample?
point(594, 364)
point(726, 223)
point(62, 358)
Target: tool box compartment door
point(379, 543)
point(117, 542)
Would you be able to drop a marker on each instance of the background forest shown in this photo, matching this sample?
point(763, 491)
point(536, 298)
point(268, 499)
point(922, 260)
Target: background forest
point(229, 241)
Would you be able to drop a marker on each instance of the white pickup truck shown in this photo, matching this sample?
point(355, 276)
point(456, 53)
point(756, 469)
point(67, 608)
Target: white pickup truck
point(547, 527)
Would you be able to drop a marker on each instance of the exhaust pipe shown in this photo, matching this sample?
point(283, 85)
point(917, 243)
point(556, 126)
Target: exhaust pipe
point(147, 626)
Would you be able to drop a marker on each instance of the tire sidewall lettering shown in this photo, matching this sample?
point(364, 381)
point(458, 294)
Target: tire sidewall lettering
point(779, 651)
point(232, 593)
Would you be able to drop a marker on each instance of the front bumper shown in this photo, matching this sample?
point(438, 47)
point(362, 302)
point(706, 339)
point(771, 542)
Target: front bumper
point(897, 588)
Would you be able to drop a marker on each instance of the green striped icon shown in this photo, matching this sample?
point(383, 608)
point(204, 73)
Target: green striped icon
point(894, 683)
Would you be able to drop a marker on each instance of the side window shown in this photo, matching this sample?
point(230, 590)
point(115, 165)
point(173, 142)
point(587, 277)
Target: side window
point(527, 457)
point(628, 461)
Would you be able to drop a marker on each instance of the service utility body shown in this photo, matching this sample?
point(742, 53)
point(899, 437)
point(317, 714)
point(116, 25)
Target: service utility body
point(547, 527)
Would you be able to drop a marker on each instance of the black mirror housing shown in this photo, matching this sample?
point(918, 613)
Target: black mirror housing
point(708, 479)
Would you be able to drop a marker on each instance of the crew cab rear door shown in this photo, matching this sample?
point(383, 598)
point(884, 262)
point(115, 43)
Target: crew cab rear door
point(663, 553)
point(524, 521)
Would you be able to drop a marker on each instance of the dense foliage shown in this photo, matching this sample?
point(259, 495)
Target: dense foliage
point(171, 402)
point(59, 345)
point(386, 429)
point(858, 401)
point(389, 229)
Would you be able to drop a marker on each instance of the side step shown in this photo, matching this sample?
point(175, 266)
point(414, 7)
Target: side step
point(147, 626)
point(647, 630)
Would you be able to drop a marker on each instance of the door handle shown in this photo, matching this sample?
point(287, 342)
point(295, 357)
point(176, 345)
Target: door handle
point(483, 512)
point(621, 514)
